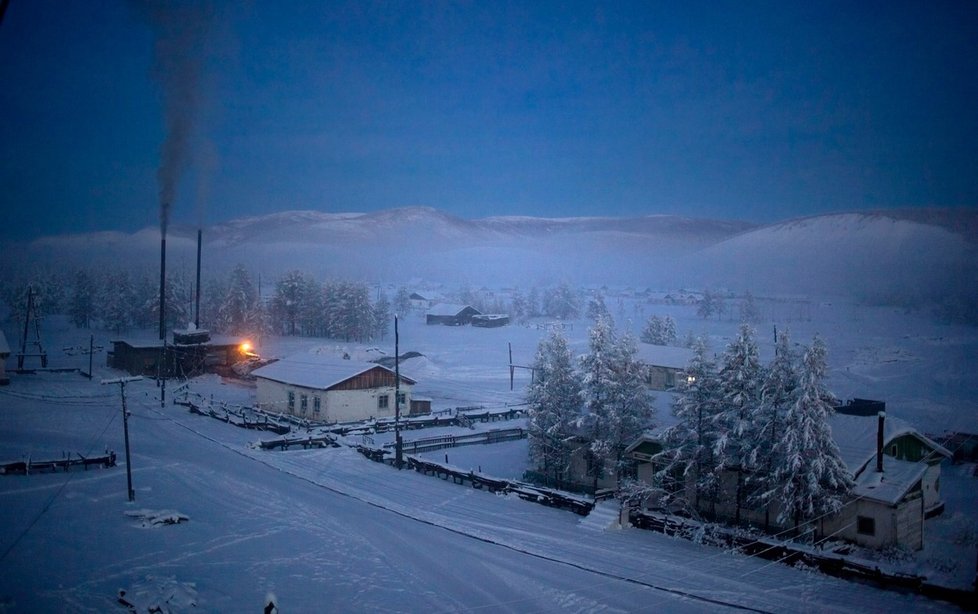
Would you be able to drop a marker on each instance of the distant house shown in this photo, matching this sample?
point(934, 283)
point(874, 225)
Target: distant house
point(327, 388)
point(4, 353)
point(421, 301)
point(451, 315)
point(887, 507)
point(664, 365)
point(490, 320)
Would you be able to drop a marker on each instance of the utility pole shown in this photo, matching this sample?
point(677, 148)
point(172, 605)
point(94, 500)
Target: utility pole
point(398, 443)
point(122, 381)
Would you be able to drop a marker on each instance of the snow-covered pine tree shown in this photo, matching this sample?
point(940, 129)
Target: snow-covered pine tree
point(687, 456)
point(238, 310)
point(382, 317)
point(518, 306)
point(83, 294)
point(749, 311)
point(116, 298)
point(777, 393)
point(561, 302)
point(554, 404)
point(312, 316)
point(596, 307)
point(739, 384)
point(652, 333)
point(669, 332)
point(810, 476)
point(402, 301)
point(287, 301)
point(616, 402)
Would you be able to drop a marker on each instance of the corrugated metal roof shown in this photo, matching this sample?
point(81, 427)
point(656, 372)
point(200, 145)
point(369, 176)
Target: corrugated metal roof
point(318, 371)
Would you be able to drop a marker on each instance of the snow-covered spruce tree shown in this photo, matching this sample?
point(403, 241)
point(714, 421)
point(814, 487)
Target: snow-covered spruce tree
point(739, 385)
point(652, 333)
point(749, 311)
point(617, 405)
point(561, 302)
point(518, 306)
point(382, 317)
point(402, 301)
point(312, 316)
point(287, 301)
point(687, 456)
point(238, 312)
point(83, 292)
point(554, 404)
point(596, 307)
point(777, 393)
point(116, 298)
point(810, 476)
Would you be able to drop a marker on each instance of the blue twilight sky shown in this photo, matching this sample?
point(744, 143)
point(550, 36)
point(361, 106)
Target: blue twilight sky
point(749, 110)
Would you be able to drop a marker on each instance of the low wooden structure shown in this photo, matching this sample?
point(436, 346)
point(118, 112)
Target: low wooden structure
point(191, 353)
point(451, 315)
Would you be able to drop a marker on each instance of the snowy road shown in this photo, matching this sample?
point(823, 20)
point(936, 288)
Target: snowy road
point(327, 530)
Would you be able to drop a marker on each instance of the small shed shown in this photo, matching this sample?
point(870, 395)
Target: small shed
point(664, 365)
point(4, 353)
point(490, 320)
point(451, 315)
point(421, 301)
point(328, 388)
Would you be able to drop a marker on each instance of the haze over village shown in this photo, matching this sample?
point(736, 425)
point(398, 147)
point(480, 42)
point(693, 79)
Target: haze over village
point(493, 307)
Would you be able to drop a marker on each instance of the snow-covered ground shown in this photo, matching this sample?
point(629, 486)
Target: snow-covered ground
point(328, 530)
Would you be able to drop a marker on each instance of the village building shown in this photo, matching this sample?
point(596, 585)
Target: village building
point(896, 470)
point(664, 366)
point(4, 353)
point(451, 315)
point(191, 353)
point(326, 388)
point(421, 301)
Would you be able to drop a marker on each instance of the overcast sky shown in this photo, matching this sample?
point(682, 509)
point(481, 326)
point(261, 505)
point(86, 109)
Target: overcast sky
point(753, 111)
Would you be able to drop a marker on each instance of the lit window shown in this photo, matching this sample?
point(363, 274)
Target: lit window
point(383, 401)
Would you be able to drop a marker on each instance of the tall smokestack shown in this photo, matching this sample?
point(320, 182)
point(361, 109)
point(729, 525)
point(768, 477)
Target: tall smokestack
point(163, 285)
point(197, 304)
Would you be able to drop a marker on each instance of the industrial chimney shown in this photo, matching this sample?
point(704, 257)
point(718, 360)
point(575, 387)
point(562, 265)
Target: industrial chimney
point(879, 441)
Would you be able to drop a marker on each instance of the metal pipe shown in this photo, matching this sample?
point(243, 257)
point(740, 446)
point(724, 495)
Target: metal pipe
point(197, 305)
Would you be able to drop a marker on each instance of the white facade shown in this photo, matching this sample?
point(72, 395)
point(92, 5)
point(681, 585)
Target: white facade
point(329, 389)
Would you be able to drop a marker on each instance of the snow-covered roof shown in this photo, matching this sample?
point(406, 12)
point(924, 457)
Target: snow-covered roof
point(856, 438)
point(448, 309)
point(898, 477)
point(664, 355)
point(318, 371)
point(4, 347)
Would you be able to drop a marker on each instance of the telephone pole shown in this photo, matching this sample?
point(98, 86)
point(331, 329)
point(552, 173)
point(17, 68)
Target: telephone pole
point(122, 381)
point(398, 443)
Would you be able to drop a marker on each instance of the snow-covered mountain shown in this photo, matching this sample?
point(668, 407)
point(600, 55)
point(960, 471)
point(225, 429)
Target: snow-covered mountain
point(894, 256)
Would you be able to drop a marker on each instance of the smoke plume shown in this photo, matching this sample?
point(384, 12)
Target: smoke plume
point(181, 34)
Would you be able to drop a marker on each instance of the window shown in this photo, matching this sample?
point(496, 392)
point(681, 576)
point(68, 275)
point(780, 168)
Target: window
point(400, 398)
point(383, 401)
point(303, 404)
point(893, 450)
point(291, 401)
point(865, 525)
point(316, 405)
